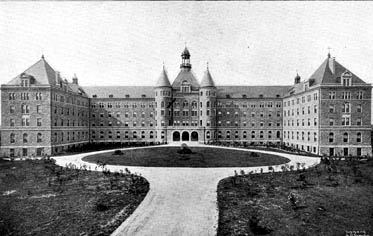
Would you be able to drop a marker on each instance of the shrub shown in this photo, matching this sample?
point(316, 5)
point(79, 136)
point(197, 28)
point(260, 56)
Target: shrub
point(254, 154)
point(118, 152)
point(184, 149)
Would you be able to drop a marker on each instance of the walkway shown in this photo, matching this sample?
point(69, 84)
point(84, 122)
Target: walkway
point(181, 201)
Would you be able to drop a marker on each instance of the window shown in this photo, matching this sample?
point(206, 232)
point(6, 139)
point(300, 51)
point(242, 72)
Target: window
point(12, 96)
point(346, 78)
point(252, 134)
point(25, 109)
point(185, 87)
point(25, 121)
point(331, 109)
point(332, 95)
point(345, 137)
point(12, 122)
point(358, 122)
point(359, 95)
point(359, 108)
point(358, 137)
point(346, 95)
point(331, 137)
point(11, 109)
point(38, 121)
point(346, 121)
point(25, 138)
point(331, 122)
point(39, 138)
point(12, 138)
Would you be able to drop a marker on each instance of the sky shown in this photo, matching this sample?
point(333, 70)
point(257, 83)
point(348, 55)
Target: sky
point(126, 43)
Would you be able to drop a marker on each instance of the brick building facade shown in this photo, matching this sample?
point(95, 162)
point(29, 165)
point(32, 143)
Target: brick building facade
point(45, 114)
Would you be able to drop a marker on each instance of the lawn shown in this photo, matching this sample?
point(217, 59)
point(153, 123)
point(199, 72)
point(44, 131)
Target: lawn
point(334, 198)
point(40, 198)
point(200, 157)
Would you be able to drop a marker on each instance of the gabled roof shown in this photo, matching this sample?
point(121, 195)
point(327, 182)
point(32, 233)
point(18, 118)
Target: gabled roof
point(188, 76)
point(119, 91)
point(252, 91)
point(207, 80)
point(41, 71)
point(329, 72)
point(163, 80)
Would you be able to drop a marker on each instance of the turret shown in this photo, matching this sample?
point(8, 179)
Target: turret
point(163, 97)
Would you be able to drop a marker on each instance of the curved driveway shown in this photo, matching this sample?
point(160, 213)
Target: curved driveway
point(181, 201)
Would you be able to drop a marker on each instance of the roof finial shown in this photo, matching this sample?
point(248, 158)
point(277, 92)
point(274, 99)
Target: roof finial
point(42, 56)
point(207, 65)
point(329, 51)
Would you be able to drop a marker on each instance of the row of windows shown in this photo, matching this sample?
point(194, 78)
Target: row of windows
point(126, 114)
point(302, 99)
point(70, 100)
point(251, 105)
point(300, 111)
point(346, 137)
point(253, 124)
point(69, 111)
point(291, 122)
point(120, 105)
point(69, 123)
point(253, 134)
point(126, 123)
point(253, 114)
point(127, 134)
point(39, 137)
point(290, 135)
point(346, 95)
point(70, 136)
point(346, 108)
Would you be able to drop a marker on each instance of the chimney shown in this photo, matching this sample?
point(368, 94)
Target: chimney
point(58, 77)
point(332, 64)
point(75, 79)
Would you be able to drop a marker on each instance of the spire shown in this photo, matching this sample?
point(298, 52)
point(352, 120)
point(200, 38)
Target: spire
point(42, 56)
point(163, 79)
point(207, 80)
point(75, 79)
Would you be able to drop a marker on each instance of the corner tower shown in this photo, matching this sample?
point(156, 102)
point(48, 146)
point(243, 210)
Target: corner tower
point(208, 105)
point(163, 96)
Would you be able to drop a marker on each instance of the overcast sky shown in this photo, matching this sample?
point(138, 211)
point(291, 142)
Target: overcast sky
point(245, 43)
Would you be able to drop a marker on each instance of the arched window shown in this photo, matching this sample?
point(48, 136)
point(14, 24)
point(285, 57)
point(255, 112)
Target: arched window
point(194, 104)
point(162, 104)
point(25, 109)
point(208, 104)
point(252, 134)
point(134, 134)
point(207, 134)
point(228, 134)
point(244, 134)
point(39, 137)
point(162, 134)
point(278, 135)
point(345, 137)
point(12, 138)
point(25, 138)
point(331, 137)
point(358, 137)
point(151, 134)
point(346, 78)
point(185, 103)
point(185, 87)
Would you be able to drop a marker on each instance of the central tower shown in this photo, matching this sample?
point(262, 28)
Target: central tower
point(185, 60)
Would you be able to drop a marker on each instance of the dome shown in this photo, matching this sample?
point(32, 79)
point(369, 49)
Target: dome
point(185, 53)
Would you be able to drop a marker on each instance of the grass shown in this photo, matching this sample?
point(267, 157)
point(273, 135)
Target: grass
point(40, 198)
point(330, 199)
point(200, 157)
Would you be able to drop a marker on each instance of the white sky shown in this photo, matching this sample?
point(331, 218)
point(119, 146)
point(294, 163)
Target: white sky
point(245, 43)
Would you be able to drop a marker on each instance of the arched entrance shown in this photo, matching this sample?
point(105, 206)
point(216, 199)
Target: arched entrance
point(194, 136)
point(185, 136)
point(176, 136)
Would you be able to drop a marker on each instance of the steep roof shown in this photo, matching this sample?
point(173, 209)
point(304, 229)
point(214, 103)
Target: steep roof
point(207, 80)
point(251, 91)
point(163, 80)
point(41, 71)
point(188, 76)
point(329, 72)
point(120, 91)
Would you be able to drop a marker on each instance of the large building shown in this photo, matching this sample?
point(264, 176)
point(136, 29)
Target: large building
point(329, 113)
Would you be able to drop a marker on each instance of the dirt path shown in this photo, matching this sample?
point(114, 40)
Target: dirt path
point(181, 201)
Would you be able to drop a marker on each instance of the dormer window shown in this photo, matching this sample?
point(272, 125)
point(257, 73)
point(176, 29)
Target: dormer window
point(244, 96)
point(143, 96)
point(25, 80)
point(185, 87)
point(111, 96)
point(127, 95)
point(346, 79)
point(94, 96)
point(260, 95)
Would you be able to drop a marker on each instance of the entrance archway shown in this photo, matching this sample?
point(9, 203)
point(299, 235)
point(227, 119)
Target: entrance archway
point(176, 136)
point(194, 136)
point(185, 136)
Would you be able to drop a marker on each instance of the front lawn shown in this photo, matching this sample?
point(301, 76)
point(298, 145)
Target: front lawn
point(200, 157)
point(40, 198)
point(334, 198)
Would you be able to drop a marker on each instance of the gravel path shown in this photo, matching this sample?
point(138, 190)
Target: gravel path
point(181, 201)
